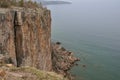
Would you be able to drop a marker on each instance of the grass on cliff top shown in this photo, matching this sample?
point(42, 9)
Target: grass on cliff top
point(18, 3)
point(40, 75)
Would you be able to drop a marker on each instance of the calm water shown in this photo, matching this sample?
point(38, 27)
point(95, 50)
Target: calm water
point(90, 28)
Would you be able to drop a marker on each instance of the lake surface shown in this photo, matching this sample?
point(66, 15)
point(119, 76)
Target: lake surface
point(90, 28)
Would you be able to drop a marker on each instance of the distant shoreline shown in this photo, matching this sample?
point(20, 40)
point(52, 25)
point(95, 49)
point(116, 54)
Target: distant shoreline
point(55, 2)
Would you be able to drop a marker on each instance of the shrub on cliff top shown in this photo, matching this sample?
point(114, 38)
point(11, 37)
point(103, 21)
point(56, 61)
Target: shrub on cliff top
point(4, 3)
point(18, 3)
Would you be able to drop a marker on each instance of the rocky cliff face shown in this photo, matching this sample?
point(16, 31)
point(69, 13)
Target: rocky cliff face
point(25, 40)
point(25, 37)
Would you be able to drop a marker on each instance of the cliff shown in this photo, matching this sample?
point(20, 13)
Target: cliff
point(25, 37)
point(25, 40)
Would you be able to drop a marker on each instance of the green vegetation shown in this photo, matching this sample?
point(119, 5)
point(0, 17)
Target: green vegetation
point(27, 73)
point(18, 3)
point(41, 75)
point(21, 3)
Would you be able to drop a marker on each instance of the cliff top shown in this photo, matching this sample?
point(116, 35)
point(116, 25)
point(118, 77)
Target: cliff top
point(27, 73)
point(19, 3)
point(28, 6)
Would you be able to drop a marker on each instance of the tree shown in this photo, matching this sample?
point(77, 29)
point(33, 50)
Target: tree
point(21, 3)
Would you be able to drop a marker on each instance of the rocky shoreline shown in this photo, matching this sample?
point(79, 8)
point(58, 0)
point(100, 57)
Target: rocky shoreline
point(63, 60)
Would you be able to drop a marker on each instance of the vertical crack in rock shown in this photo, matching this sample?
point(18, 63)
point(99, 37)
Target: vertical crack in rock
point(15, 35)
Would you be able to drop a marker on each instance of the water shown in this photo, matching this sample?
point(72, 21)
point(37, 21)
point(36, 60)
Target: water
point(90, 28)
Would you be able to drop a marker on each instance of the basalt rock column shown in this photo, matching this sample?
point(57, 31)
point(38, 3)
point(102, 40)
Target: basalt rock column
point(7, 44)
point(33, 38)
point(25, 37)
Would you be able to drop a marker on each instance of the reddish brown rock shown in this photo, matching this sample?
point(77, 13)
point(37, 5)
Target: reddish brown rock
point(7, 45)
point(62, 60)
point(25, 35)
point(2, 73)
point(33, 33)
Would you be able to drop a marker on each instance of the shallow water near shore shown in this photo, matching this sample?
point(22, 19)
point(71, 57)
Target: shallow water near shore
point(91, 29)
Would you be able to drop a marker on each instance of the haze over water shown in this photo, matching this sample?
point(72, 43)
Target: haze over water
point(90, 28)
